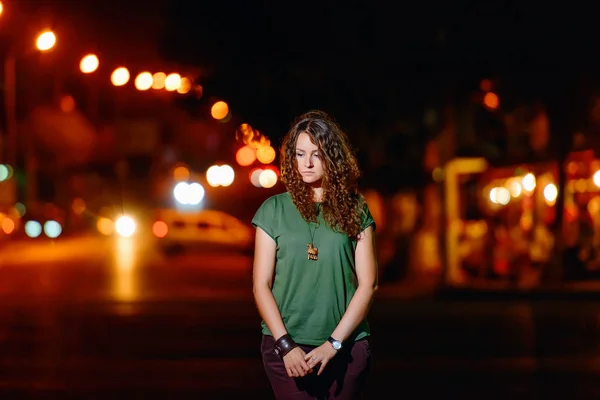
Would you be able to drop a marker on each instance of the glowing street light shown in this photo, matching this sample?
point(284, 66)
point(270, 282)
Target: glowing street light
point(184, 86)
point(144, 81)
point(172, 82)
point(89, 64)
point(1, 7)
point(120, 76)
point(46, 41)
point(158, 80)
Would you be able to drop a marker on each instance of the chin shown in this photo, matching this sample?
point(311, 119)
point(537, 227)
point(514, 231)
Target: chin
point(311, 180)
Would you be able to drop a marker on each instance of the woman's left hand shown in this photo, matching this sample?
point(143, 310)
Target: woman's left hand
point(322, 354)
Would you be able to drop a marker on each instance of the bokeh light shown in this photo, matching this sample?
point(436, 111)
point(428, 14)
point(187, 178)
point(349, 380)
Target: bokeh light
point(265, 154)
point(52, 229)
point(8, 225)
point(125, 226)
point(33, 229)
point(105, 226)
point(172, 82)
point(220, 175)
point(120, 76)
point(184, 86)
point(219, 110)
point(46, 41)
point(491, 101)
point(160, 229)
point(267, 178)
point(158, 80)
point(245, 156)
point(143, 81)
point(67, 104)
point(181, 173)
point(89, 63)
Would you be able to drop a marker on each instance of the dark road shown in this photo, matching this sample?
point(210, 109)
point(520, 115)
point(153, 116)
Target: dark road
point(116, 322)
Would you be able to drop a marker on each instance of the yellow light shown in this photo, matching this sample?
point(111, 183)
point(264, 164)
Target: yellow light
point(172, 82)
point(1, 7)
point(105, 226)
point(46, 41)
point(143, 81)
point(158, 80)
point(550, 193)
point(265, 154)
point(120, 76)
point(219, 110)
point(125, 226)
point(185, 86)
point(528, 182)
point(89, 64)
point(596, 178)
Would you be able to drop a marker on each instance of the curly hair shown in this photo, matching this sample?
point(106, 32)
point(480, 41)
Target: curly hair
point(342, 205)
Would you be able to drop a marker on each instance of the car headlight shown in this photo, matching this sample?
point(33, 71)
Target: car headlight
point(188, 193)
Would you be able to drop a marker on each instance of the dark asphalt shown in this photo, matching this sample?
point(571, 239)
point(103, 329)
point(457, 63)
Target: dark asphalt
point(191, 331)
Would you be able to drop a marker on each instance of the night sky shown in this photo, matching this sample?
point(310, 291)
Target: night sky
point(377, 60)
point(377, 66)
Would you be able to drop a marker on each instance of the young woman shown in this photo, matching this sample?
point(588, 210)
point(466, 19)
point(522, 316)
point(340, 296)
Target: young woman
point(315, 270)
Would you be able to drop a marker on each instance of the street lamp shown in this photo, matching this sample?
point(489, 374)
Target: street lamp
point(46, 41)
point(120, 76)
point(89, 64)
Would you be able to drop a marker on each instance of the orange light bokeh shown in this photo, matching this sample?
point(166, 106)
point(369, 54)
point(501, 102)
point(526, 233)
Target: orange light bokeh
point(265, 154)
point(491, 100)
point(219, 110)
point(245, 156)
point(160, 229)
point(8, 225)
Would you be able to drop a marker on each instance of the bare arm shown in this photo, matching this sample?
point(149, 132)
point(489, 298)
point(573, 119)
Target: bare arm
point(366, 271)
point(262, 276)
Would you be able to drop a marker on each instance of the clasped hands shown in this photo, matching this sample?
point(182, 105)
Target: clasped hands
point(299, 364)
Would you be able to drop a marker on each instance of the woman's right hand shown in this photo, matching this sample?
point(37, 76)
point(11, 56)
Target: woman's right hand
point(295, 364)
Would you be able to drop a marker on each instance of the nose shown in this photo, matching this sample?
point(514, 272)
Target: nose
point(308, 162)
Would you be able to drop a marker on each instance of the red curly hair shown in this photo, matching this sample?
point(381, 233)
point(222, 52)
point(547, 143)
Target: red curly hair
point(342, 205)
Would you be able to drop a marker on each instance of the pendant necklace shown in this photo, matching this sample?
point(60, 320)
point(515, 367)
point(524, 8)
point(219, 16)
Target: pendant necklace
point(312, 251)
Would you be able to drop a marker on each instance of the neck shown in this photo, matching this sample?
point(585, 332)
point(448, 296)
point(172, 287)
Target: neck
point(318, 194)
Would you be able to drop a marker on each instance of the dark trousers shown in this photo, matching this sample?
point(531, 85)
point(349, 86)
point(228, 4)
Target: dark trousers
point(343, 378)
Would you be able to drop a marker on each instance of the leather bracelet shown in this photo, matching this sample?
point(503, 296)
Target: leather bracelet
point(284, 345)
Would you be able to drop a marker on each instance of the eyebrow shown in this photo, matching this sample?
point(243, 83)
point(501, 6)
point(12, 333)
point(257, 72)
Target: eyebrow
point(299, 149)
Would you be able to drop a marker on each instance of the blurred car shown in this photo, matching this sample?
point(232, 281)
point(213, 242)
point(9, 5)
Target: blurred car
point(203, 229)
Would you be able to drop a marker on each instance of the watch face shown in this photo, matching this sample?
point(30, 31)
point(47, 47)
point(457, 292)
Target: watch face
point(336, 345)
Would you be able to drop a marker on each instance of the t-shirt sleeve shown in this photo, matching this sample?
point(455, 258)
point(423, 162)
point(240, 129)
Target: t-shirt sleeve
point(367, 218)
point(264, 218)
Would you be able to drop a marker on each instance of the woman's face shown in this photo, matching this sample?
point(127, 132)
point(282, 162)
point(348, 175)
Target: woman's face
point(309, 161)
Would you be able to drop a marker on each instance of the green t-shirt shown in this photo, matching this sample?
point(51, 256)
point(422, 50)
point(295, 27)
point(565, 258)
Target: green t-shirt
point(312, 295)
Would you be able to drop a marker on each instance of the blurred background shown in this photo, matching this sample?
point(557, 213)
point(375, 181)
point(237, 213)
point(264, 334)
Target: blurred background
point(138, 139)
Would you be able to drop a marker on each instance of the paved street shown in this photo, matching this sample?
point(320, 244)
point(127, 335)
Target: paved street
point(107, 319)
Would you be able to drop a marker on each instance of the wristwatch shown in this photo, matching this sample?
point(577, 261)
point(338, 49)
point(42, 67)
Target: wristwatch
point(337, 345)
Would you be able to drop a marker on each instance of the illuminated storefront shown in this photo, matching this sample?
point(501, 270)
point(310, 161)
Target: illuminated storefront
point(499, 221)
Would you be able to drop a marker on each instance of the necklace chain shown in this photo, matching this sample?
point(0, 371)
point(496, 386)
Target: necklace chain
point(313, 252)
